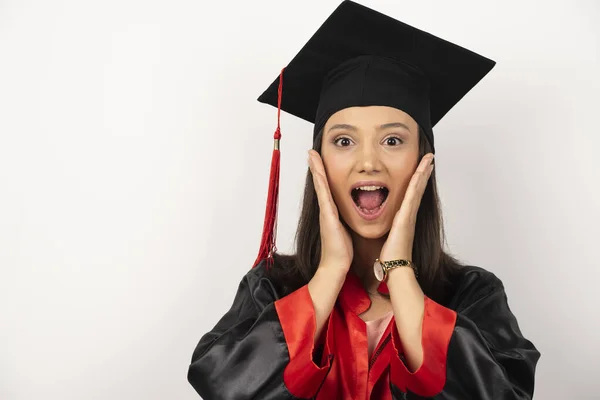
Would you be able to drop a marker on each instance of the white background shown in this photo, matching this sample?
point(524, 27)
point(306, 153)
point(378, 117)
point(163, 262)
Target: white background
point(134, 160)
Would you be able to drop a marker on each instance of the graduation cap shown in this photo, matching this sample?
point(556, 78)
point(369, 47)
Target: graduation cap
point(361, 57)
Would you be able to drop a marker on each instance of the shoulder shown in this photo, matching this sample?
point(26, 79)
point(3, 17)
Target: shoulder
point(256, 274)
point(472, 275)
point(471, 283)
point(267, 282)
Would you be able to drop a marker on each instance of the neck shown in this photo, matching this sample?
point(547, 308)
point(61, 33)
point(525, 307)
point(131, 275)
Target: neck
point(366, 251)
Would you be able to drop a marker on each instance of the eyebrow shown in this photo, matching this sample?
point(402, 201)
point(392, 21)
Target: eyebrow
point(380, 127)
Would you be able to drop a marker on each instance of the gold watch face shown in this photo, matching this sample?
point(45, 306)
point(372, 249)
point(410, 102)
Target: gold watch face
point(378, 269)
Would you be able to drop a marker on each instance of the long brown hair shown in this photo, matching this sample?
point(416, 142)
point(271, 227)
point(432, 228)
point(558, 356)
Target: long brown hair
point(290, 272)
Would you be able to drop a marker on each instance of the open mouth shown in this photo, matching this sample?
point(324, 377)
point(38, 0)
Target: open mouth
point(370, 199)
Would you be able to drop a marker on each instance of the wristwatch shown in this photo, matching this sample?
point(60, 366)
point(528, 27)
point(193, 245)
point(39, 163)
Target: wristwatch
point(381, 268)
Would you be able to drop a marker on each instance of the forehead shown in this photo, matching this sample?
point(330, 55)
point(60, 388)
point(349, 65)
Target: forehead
point(369, 117)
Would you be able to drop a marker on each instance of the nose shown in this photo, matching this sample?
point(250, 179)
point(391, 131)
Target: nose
point(368, 159)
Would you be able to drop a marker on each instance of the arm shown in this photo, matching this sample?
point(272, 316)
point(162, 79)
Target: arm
point(254, 352)
point(477, 351)
point(324, 289)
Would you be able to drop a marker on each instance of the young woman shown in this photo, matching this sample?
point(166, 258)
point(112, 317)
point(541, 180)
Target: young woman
point(369, 306)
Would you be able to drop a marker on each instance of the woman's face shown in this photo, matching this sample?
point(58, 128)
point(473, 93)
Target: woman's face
point(369, 147)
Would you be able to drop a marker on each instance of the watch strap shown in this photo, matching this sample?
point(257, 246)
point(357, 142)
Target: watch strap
point(392, 264)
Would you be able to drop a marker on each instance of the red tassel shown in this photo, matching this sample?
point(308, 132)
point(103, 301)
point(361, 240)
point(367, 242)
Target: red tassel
point(269, 234)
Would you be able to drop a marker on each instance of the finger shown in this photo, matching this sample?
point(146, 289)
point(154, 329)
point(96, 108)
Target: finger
point(418, 182)
point(324, 197)
point(426, 167)
point(416, 188)
point(326, 205)
point(317, 162)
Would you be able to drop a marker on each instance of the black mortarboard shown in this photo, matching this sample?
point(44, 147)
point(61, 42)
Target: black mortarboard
point(360, 57)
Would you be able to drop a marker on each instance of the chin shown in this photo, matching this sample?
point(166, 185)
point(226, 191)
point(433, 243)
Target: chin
point(369, 230)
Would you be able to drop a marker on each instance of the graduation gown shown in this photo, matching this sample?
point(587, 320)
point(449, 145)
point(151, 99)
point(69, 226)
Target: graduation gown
point(263, 347)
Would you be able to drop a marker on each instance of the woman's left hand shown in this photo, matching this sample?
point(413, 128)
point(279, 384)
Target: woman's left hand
point(399, 243)
point(405, 292)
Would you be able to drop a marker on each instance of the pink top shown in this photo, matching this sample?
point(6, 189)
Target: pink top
point(375, 329)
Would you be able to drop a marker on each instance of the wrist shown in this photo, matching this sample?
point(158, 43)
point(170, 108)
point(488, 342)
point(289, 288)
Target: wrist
point(334, 274)
point(324, 288)
point(333, 269)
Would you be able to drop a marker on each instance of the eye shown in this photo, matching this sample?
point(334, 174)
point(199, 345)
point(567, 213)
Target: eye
point(342, 141)
point(393, 141)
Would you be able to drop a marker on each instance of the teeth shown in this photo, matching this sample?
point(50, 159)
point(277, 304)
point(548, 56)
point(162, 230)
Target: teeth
point(370, 188)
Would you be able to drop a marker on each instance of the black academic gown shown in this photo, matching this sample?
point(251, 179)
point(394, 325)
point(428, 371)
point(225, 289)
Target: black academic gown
point(263, 347)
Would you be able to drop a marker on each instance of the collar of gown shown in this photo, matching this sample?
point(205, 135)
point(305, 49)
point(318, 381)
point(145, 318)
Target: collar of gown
point(354, 296)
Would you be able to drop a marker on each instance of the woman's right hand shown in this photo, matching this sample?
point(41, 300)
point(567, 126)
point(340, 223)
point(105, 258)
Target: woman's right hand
point(336, 243)
point(336, 248)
